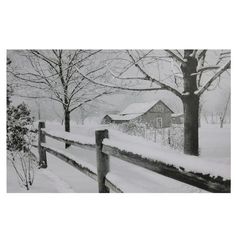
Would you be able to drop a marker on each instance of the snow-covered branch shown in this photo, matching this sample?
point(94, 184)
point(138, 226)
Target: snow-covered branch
point(177, 57)
point(89, 100)
point(118, 87)
point(218, 73)
point(203, 69)
point(163, 86)
point(206, 68)
point(202, 54)
point(38, 97)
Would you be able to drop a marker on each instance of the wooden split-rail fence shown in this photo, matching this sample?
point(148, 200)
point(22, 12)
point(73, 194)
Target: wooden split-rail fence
point(104, 152)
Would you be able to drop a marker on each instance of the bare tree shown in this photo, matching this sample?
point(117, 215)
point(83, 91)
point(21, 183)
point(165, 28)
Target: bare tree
point(222, 117)
point(185, 79)
point(24, 164)
point(53, 73)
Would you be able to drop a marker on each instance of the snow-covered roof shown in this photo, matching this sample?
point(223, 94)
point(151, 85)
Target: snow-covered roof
point(138, 108)
point(177, 115)
point(135, 110)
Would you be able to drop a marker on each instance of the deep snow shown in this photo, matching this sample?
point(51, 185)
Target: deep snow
point(60, 177)
point(164, 154)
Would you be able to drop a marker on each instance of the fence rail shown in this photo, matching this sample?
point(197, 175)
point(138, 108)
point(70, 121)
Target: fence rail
point(203, 181)
point(82, 168)
point(103, 152)
point(70, 141)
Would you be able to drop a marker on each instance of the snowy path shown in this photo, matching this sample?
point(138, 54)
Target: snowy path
point(45, 181)
point(131, 178)
point(79, 182)
point(128, 177)
point(59, 183)
point(59, 177)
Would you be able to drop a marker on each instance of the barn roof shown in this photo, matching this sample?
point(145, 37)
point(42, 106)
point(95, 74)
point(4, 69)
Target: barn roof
point(124, 117)
point(135, 110)
point(138, 108)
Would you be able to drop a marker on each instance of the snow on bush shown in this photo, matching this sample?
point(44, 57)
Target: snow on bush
point(172, 136)
point(18, 121)
point(19, 140)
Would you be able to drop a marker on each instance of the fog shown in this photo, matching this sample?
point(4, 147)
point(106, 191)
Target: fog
point(213, 101)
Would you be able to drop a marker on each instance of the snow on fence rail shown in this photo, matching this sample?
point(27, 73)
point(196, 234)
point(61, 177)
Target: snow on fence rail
point(106, 148)
point(76, 140)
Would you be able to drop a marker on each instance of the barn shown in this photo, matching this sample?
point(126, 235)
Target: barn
point(154, 114)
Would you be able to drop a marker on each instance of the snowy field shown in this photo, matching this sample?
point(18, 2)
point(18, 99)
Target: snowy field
point(60, 177)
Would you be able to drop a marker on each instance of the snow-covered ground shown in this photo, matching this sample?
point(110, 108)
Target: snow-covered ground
point(60, 177)
point(215, 143)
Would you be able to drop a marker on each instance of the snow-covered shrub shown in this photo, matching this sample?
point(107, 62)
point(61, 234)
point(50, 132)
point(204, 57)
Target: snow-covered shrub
point(18, 121)
point(171, 136)
point(19, 140)
point(24, 164)
point(174, 136)
point(131, 128)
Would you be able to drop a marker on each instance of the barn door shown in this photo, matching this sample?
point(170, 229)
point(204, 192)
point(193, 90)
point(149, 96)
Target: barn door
point(159, 122)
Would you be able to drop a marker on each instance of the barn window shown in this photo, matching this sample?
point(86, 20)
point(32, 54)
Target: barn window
point(159, 122)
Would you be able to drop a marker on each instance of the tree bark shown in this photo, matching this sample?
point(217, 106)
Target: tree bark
point(191, 118)
point(190, 103)
point(67, 125)
point(221, 122)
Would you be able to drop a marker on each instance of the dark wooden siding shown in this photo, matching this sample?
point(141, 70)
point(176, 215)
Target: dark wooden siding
point(150, 118)
point(178, 119)
point(119, 121)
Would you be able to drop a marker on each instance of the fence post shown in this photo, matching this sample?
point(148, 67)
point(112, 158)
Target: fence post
point(169, 140)
point(41, 150)
point(103, 162)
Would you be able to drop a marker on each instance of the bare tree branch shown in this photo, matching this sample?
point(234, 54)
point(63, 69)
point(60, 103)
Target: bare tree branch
point(89, 100)
point(202, 54)
point(162, 85)
point(218, 73)
point(206, 68)
point(178, 58)
point(37, 97)
point(117, 87)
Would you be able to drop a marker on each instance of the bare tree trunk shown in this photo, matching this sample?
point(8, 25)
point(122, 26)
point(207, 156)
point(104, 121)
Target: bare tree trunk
point(190, 103)
point(221, 122)
point(38, 106)
point(222, 118)
point(206, 118)
point(191, 113)
point(67, 125)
